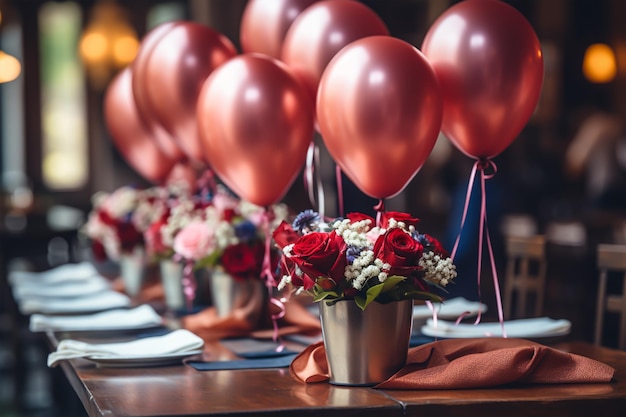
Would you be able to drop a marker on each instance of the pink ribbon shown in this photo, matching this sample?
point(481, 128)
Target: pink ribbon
point(339, 191)
point(313, 179)
point(270, 282)
point(483, 229)
point(188, 280)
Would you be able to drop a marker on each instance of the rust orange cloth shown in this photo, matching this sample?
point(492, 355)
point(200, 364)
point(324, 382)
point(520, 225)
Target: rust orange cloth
point(251, 320)
point(472, 363)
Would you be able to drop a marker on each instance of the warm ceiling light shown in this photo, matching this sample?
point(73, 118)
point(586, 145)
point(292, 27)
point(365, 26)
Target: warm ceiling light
point(124, 50)
point(94, 46)
point(599, 63)
point(10, 67)
point(108, 43)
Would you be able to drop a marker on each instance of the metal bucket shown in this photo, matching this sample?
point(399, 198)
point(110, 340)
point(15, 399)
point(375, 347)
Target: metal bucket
point(172, 280)
point(229, 294)
point(132, 270)
point(365, 348)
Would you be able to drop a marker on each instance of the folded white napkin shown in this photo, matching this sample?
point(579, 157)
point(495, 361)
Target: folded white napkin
point(68, 289)
point(62, 273)
point(523, 328)
point(91, 303)
point(451, 309)
point(178, 341)
point(140, 317)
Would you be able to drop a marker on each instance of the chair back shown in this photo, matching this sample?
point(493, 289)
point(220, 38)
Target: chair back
point(525, 275)
point(611, 262)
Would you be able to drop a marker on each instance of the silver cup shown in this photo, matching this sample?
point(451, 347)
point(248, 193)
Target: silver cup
point(229, 294)
point(364, 348)
point(172, 280)
point(132, 270)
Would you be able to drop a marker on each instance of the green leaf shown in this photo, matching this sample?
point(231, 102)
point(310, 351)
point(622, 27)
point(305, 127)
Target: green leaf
point(360, 301)
point(391, 282)
point(322, 295)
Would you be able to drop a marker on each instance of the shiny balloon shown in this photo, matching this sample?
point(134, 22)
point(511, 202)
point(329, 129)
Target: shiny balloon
point(141, 87)
point(130, 135)
point(179, 63)
point(490, 66)
point(379, 109)
point(321, 31)
point(264, 24)
point(256, 123)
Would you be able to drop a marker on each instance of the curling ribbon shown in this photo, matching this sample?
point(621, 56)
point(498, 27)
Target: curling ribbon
point(313, 179)
point(270, 282)
point(483, 229)
point(188, 281)
point(340, 204)
point(380, 209)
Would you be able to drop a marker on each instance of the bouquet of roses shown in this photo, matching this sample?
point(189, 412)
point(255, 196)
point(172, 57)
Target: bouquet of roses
point(229, 233)
point(352, 258)
point(117, 221)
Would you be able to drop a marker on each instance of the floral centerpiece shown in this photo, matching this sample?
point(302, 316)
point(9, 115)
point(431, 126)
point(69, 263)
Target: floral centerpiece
point(228, 232)
point(352, 258)
point(117, 221)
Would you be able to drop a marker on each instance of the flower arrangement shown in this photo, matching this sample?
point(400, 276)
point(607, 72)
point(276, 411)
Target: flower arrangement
point(351, 258)
point(227, 233)
point(117, 221)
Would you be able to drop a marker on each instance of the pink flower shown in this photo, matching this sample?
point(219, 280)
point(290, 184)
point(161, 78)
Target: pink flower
point(195, 241)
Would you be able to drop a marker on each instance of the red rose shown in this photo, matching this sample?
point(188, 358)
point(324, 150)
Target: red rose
point(321, 255)
point(357, 217)
point(400, 250)
point(398, 216)
point(436, 246)
point(240, 261)
point(129, 236)
point(154, 239)
point(285, 235)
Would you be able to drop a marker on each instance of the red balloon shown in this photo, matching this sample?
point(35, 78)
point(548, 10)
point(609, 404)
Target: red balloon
point(256, 123)
point(179, 63)
point(379, 109)
point(130, 135)
point(490, 67)
point(140, 92)
point(321, 31)
point(264, 24)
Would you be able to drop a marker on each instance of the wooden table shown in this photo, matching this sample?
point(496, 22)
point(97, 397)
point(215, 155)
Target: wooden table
point(182, 391)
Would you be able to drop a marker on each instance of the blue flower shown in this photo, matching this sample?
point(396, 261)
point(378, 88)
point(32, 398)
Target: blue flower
point(245, 231)
point(352, 253)
point(306, 221)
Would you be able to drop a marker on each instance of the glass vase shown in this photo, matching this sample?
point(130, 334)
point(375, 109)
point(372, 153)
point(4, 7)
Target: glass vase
point(365, 347)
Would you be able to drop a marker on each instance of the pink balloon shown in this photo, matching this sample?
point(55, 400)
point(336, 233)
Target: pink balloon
point(379, 109)
point(490, 67)
point(256, 123)
point(140, 92)
point(321, 31)
point(179, 63)
point(130, 135)
point(264, 24)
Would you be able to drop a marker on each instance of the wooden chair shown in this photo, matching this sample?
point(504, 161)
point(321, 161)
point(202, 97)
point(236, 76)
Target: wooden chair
point(525, 275)
point(611, 258)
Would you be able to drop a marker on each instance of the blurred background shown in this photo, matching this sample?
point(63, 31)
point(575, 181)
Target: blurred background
point(563, 177)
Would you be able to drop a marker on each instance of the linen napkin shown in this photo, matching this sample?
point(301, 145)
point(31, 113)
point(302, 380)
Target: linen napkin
point(139, 317)
point(59, 274)
point(522, 328)
point(104, 300)
point(178, 341)
point(245, 322)
point(472, 363)
point(67, 289)
point(451, 309)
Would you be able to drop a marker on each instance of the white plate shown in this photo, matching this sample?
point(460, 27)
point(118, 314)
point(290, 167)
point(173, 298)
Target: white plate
point(140, 361)
point(449, 309)
point(534, 328)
